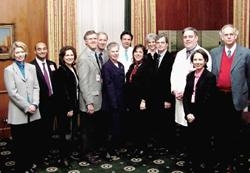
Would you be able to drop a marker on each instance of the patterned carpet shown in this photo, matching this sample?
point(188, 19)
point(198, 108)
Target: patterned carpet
point(159, 160)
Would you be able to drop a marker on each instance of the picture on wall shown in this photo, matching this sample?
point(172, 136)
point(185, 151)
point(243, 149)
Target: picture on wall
point(6, 39)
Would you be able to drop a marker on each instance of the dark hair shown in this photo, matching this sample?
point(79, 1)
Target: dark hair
point(143, 49)
point(126, 33)
point(63, 52)
point(203, 53)
point(162, 34)
point(90, 32)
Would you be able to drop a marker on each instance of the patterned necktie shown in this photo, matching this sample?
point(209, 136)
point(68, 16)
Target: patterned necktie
point(133, 72)
point(188, 52)
point(229, 53)
point(46, 77)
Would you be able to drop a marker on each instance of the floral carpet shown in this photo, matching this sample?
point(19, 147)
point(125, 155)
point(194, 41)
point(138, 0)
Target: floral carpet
point(158, 160)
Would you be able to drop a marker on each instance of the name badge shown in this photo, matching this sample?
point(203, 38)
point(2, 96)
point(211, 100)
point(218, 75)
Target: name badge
point(98, 78)
point(52, 68)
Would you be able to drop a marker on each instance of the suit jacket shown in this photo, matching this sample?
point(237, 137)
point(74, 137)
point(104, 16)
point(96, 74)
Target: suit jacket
point(181, 67)
point(45, 100)
point(105, 56)
point(90, 80)
point(113, 86)
point(67, 90)
point(22, 91)
point(240, 74)
point(204, 96)
point(160, 88)
point(137, 89)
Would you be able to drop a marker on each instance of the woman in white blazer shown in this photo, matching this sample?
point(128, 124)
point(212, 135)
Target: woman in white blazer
point(23, 114)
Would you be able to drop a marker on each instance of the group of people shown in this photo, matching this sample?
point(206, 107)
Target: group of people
point(114, 95)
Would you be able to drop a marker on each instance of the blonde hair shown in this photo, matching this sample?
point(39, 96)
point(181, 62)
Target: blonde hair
point(15, 45)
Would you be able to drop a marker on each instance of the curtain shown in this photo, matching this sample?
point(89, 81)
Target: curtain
point(99, 15)
point(143, 19)
point(61, 26)
point(241, 20)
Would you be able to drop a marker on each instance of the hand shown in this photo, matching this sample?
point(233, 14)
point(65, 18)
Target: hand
point(70, 113)
point(190, 118)
point(32, 109)
point(143, 105)
point(90, 109)
point(178, 95)
point(167, 105)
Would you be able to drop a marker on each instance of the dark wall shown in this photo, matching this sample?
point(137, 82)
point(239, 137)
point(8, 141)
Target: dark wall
point(201, 14)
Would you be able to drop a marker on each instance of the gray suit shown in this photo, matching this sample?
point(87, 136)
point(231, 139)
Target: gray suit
point(230, 103)
point(22, 92)
point(240, 74)
point(90, 81)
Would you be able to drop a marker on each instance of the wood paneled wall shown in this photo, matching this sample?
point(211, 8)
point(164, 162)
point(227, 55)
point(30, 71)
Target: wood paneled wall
point(201, 14)
point(30, 21)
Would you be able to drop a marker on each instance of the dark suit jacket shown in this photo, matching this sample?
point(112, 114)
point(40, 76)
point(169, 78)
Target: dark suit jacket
point(45, 99)
point(160, 88)
point(137, 89)
point(66, 87)
point(240, 74)
point(66, 96)
point(204, 96)
point(113, 86)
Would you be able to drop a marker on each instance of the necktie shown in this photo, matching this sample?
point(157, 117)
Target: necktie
point(46, 77)
point(157, 60)
point(97, 61)
point(229, 53)
point(188, 53)
point(100, 58)
point(126, 54)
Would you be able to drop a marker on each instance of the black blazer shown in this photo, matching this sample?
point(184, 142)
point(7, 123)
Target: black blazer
point(137, 89)
point(67, 90)
point(160, 88)
point(204, 95)
point(45, 99)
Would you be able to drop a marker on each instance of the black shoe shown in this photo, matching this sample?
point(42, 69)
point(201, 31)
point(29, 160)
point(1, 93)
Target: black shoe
point(107, 157)
point(31, 170)
point(90, 159)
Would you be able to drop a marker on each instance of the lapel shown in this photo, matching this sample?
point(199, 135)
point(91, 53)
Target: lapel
point(219, 57)
point(237, 57)
point(38, 69)
point(92, 58)
point(201, 79)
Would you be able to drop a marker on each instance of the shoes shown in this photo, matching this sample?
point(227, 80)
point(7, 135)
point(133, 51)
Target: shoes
point(107, 157)
point(64, 162)
point(91, 159)
point(31, 170)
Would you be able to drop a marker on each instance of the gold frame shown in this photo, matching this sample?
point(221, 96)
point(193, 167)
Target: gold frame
point(6, 39)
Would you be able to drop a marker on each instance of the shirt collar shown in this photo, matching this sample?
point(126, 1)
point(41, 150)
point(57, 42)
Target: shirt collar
point(232, 49)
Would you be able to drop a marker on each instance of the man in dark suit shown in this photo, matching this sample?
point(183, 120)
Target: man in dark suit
point(161, 101)
point(45, 73)
point(231, 65)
